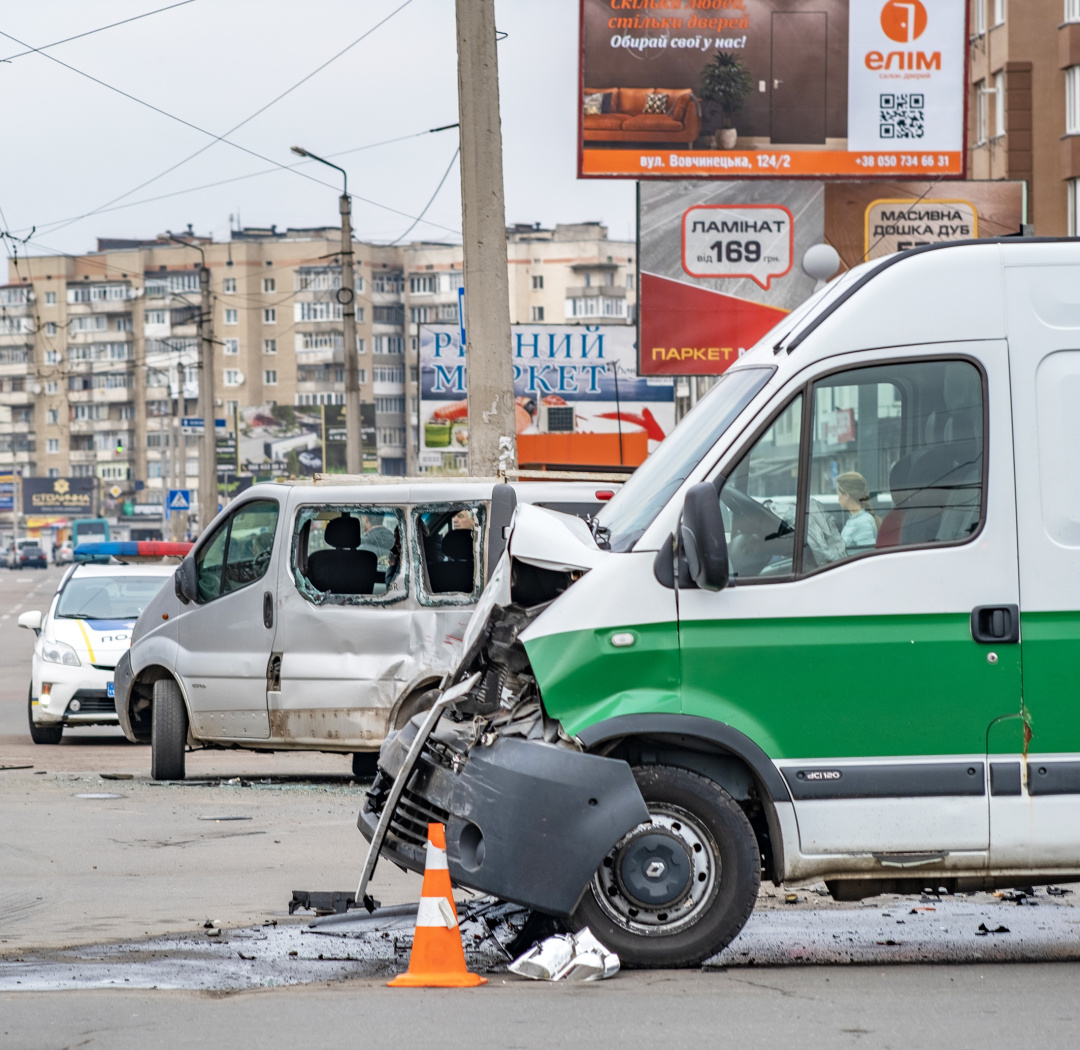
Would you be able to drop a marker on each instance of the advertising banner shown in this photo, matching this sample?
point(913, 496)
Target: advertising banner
point(288, 440)
point(721, 262)
point(579, 398)
point(743, 89)
point(7, 492)
point(73, 496)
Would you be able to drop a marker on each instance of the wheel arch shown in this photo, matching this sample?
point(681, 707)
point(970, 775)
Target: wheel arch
point(412, 690)
point(140, 700)
point(712, 749)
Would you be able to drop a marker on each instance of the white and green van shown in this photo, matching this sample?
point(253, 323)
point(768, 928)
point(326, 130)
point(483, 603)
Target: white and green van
point(830, 630)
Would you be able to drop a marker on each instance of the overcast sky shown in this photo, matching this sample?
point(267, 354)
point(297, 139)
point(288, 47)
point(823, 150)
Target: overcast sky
point(72, 145)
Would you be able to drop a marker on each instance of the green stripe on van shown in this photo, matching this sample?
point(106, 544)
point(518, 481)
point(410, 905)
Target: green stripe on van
point(814, 687)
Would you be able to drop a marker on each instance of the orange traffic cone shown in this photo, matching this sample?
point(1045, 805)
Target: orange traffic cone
point(438, 958)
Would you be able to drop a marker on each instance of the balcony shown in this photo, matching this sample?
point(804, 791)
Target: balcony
point(16, 397)
point(82, 455)
point(596, 291)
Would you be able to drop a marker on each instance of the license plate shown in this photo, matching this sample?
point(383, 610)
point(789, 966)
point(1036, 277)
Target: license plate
point(112, 690)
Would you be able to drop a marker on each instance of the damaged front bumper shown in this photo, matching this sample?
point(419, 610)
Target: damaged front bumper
point(528, 819)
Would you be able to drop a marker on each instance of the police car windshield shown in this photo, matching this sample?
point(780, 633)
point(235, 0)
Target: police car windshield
point(107, 597)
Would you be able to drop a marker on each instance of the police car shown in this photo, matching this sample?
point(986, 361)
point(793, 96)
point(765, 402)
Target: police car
point(84, 632)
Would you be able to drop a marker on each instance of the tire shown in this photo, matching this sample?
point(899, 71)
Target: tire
point(41, 734)
point(413, 705)
point(707, 848)
point(365, 764)
point(168, 731)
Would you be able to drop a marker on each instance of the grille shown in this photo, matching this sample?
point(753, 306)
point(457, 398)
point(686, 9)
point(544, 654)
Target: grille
point(93, 702)
point(412, 816)
point(560, 419)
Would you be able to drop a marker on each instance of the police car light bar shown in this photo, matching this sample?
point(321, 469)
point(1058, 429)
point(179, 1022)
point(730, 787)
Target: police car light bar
point(131, 550)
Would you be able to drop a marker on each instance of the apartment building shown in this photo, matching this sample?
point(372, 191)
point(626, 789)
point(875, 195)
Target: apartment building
point(1024, 103)
point(99, 352)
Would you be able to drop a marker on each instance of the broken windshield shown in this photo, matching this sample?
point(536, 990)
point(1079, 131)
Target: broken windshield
point(622, 522)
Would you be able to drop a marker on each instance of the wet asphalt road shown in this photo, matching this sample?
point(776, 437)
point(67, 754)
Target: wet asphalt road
point(130, 883)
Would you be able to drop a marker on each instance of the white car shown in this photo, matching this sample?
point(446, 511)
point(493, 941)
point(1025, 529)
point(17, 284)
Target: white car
point(79, 639)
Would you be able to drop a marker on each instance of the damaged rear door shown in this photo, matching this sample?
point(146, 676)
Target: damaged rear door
point(346, 616)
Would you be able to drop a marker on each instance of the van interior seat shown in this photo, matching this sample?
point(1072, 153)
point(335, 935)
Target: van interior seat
point(343, 569)
point(457, 571)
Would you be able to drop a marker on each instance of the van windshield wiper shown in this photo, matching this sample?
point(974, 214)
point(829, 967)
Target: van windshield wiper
point(600, 533)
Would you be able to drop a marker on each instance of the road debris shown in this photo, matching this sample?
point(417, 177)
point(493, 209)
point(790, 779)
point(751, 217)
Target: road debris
point(226, 817)
point(322, 902)
point(983, 930)
point(8, 769)
point(99, 794)
point(567, 956)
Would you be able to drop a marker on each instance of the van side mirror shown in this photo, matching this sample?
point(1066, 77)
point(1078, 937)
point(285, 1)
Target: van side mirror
point(702, 541)
point(31, 620)
point(185, 580)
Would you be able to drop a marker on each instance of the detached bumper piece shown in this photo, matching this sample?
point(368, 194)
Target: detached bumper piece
point(526, 821)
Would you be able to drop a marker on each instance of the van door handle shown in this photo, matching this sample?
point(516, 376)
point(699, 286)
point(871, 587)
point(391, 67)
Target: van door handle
point(995, 624)
point(268, 610)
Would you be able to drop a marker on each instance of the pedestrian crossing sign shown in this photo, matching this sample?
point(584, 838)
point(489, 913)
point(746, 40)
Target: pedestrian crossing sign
point(179, 499)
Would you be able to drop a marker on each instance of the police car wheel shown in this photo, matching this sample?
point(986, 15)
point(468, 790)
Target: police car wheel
point(676, 890)
point(41, 734)
point(168, 731)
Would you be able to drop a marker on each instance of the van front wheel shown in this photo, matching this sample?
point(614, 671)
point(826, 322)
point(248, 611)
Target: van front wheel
point(168, 731)
point(676, 890)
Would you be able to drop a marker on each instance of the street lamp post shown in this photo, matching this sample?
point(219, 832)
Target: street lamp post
point(354, 460)
point(208, 482)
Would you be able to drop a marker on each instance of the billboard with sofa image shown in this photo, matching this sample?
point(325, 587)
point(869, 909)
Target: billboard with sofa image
point(578, 399)
point(772, 88)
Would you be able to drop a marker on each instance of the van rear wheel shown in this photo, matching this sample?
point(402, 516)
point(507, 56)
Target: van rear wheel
point(41, 734)
point(168, 731)
point(678, 889)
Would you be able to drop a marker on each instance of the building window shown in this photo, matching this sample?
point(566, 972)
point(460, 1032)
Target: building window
point(360, 344)
point(537, 282)
point(52, 445)
point(980, 112)
point(322, 311)
point(232, 346)
point(127, 411)
point(52, 357)
point(158, 317)
point(50, 298)
point(50, 328)
point(54, 472)
point(630, 281)
point(231, 408)
point(978, 20)
point(153, 468)
point(999, 103)
point(270, 315)
point(1072, 188)
point(269, 346)
point(1072, 100)
point(426, 284)
point(232, 377)
point(1072, 10)
point(191, 467)
point(270, 377)
point(537, 313)
point(228, 286)
point(52, 416)
point(124, 323)
point(999, 12)
point(361, 374)
point(232, 317)
point(52, 387)
point(269, 284)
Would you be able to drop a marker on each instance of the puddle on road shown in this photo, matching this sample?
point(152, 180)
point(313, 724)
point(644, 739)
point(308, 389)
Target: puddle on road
point(360, 946)
point(333, 949)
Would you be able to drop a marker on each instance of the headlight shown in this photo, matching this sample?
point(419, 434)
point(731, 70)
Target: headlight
point(60, 653)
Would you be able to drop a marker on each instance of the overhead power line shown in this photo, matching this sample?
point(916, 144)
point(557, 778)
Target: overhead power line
point(215, 138)
point(431, 200)
point(91, 32)
point(50, 227)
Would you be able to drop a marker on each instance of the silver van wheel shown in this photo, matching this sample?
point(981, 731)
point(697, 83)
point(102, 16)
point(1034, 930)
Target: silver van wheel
point(168, 731)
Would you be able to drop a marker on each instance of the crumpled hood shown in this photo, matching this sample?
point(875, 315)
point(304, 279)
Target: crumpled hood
point(100, 642)
point(551, 540)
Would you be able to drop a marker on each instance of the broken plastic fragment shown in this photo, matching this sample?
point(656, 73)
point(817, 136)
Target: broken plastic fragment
point(573, 957)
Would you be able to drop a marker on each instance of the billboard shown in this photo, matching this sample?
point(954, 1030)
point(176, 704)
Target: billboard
point(7, 492)
point(721, 262)
point(772, 88)
point(294, 440)
point(58, 496)
point(579, 400)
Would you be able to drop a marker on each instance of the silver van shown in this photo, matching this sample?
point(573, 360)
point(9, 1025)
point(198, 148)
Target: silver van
point(317, 616)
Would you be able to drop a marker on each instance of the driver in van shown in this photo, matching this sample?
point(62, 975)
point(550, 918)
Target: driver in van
point(861, 528)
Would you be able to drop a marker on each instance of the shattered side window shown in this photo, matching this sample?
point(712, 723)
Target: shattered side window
point(350, 554)
point(449, 538)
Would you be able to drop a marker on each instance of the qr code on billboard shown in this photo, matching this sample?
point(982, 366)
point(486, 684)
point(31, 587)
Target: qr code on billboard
point(902, 116)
